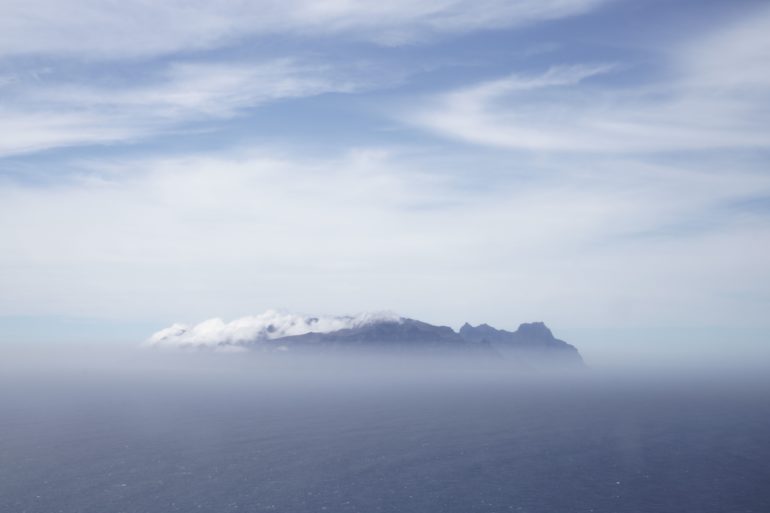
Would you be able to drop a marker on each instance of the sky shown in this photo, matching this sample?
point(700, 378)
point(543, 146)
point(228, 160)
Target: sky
point(599, 165)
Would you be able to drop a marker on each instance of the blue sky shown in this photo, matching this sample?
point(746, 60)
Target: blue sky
point(597, 164)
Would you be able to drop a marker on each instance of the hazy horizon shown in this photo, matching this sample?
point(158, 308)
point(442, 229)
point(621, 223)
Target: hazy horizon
point(648, 348)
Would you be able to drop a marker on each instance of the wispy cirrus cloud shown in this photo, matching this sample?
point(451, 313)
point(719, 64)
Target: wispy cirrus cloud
point(138, 28)
point(174, 81)
point(715, 96)
point(51, 113)
point(208, 88)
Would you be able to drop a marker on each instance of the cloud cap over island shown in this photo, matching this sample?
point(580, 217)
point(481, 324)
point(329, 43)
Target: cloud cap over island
point(269, 325)
point(531, 345)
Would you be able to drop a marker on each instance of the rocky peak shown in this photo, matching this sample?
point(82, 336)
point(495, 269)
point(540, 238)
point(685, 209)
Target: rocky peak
point(535, 330)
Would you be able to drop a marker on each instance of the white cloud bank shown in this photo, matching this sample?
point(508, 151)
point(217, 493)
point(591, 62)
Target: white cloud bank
point(269, 325)
point(596, 243)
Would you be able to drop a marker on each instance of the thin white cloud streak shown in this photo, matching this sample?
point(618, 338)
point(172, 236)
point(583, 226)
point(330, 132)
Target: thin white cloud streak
point(717, 98)
point(42, 115)
point(139, 28)
point(269, 325)
point(208, 88)
point(25, 131)
point(199, 236)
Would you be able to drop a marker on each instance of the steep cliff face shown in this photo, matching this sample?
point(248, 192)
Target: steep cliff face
point(532, 343)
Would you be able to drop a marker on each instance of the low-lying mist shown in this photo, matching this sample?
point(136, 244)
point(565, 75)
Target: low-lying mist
point(372, 367)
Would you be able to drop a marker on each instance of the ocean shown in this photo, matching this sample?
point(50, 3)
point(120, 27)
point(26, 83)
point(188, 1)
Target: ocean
point(236, 440)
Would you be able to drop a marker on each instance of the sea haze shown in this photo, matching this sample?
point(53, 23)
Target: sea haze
point(232, 432)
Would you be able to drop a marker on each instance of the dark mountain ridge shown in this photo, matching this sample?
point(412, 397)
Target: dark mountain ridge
point(532, 345)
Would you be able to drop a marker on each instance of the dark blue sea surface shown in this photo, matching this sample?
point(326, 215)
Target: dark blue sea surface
point(155, 442)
